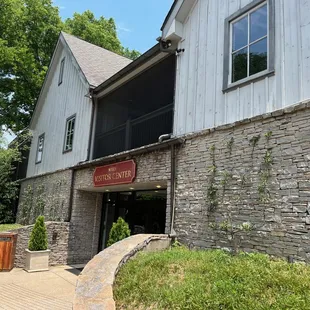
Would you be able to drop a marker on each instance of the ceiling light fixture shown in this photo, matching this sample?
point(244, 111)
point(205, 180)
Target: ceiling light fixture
point(158, 186)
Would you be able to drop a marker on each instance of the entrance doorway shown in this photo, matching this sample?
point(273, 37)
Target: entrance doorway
point(144, 211)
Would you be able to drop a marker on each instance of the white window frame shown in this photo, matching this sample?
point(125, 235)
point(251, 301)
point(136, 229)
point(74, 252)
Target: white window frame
point(61, 71)
point(67, 133)
point(39, 158)
point(246, 11)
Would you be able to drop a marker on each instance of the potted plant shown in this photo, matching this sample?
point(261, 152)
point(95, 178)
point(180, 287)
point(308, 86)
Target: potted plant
point(37, 254)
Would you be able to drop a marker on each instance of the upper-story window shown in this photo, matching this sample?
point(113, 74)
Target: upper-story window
point(61, 71)
point(40, 147)
point(69, 133)
point(249, 43)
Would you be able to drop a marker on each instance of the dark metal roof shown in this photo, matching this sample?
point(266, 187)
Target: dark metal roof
point(129, 68)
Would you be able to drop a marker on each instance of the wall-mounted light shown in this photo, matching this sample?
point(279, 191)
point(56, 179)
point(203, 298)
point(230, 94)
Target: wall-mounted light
point(158, 186)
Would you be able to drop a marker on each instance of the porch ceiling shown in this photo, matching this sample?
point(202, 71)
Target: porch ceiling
point(128, 187)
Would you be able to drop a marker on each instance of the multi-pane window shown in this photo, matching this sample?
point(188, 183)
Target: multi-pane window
point(249, 43)
point(40, 148)
point(69, 133)
point(61, 71)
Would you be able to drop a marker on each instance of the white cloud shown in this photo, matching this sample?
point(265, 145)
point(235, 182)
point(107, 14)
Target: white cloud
point(120, 27)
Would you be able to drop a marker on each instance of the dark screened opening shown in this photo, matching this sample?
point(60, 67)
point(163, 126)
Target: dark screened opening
point(138, 112)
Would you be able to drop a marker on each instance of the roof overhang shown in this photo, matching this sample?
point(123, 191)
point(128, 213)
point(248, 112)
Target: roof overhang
point(172, 28)
point(135, 68)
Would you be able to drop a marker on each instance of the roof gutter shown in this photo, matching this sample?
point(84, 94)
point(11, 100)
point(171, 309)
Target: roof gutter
point(125, 154)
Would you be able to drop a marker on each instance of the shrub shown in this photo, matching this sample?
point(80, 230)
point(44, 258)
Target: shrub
point(119, 231)
point(38, 237)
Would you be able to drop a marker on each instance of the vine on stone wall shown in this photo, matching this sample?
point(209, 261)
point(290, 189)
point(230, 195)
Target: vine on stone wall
point(227, 224)
point(39, 202)
point(253, 142)
point(212, 188)
point(26, 206)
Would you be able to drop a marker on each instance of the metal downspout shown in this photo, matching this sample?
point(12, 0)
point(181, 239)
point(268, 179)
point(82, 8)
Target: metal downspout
point(172, 191)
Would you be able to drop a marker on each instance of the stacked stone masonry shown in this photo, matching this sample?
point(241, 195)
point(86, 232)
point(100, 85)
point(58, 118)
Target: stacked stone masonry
point(281, 219)
point(87, 206)
point(58, 236)
point(46, 195)
point(259, 170)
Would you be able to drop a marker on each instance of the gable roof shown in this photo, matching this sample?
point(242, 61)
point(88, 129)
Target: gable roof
point(96, 63)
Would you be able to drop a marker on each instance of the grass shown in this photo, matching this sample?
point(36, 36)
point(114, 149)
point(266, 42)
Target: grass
point(6, 227)
point(182, 279)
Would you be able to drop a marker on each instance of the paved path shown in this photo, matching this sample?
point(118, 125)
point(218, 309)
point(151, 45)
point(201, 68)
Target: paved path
point(53, 289)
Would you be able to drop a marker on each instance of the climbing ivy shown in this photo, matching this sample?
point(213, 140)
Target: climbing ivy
point(253, 142)
point(212, 188)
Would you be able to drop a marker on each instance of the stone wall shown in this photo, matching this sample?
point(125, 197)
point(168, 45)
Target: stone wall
point(255, 171)
point(58, 236)
point(85, 226)
point(94, 289)
point(87, 205)
point(47, 195)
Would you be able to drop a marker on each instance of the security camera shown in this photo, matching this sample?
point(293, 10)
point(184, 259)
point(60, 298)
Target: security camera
point(164, 44)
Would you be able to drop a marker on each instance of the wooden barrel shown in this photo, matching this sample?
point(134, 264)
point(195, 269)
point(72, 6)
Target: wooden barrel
point(7, 250)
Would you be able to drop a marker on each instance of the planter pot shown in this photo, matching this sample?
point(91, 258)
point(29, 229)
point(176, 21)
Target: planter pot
point(37, 260)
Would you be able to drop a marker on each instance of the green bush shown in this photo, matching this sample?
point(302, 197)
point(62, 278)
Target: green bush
point(119, 231)
point(38, 237)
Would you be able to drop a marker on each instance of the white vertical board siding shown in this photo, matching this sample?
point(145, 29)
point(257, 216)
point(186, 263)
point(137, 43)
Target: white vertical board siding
point(200, 102)
point(60, 103)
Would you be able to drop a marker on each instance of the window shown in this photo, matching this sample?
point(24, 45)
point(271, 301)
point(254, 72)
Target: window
point(40, 149)
point(70, 124)
point(61, 72)
point(249, 46)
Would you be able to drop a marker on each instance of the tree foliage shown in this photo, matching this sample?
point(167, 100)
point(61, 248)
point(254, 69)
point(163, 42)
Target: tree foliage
point(119, 231)
point(101, 32)
point(38, 237)
point(8, 188)
point(28, 34)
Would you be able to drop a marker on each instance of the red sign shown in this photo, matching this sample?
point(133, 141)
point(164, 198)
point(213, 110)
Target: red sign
point(119, 173)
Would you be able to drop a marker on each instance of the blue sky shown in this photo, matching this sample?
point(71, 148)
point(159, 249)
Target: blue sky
point(138, 21)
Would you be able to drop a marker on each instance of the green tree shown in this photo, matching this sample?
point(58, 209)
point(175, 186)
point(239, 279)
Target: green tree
point(8, 188)
point(38, 237)
point(119, 231)
point(131, 54)
point(101, 32)
point(28, 34)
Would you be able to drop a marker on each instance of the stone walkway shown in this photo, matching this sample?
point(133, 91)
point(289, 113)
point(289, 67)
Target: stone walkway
point(50, 290)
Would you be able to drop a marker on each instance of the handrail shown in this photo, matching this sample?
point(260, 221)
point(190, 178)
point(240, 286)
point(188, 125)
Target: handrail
point(140, 119)
point(157, 112)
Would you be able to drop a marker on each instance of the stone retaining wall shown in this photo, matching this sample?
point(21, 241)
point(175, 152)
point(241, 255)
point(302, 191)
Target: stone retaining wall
point(94, 289)
point(58, 236)
point(256, 171)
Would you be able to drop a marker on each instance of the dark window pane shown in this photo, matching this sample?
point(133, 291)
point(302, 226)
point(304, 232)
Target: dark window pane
point(240, 34)
point(258, 25)
point(239, 65)
point(258, 56)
